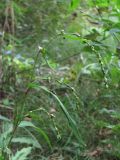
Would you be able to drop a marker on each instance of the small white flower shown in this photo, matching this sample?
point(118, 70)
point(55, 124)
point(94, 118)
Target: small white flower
point(40, 48)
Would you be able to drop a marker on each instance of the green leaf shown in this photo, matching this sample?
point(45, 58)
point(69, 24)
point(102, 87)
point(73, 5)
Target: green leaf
point(74, 4)
point(100, 3)
point(22, 154)
point(6, 102)
point(39, 130)
point(52, 64)
point(26, 140)
point(72, 123)
point(30, 124)
point(26, 124)
point(1, 157)
point(4, 118)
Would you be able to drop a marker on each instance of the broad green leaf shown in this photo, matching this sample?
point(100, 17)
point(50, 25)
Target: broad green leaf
point(22, 154)
point(4, 118)
point(26, 124)
point(74, 4)
point(39, 130)
point(100, 3)
point(27, 140)
point(6, 102)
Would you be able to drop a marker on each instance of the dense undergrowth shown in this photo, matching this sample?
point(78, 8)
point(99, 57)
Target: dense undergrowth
point(59, 80)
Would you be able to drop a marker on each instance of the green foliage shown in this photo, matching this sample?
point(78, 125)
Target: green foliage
point(74, 4)
point(22, 154)
point(63, 108)
point(27, 140)
point(59, 79)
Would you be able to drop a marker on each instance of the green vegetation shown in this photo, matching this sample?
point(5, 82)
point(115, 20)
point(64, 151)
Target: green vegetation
point(59, 80)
